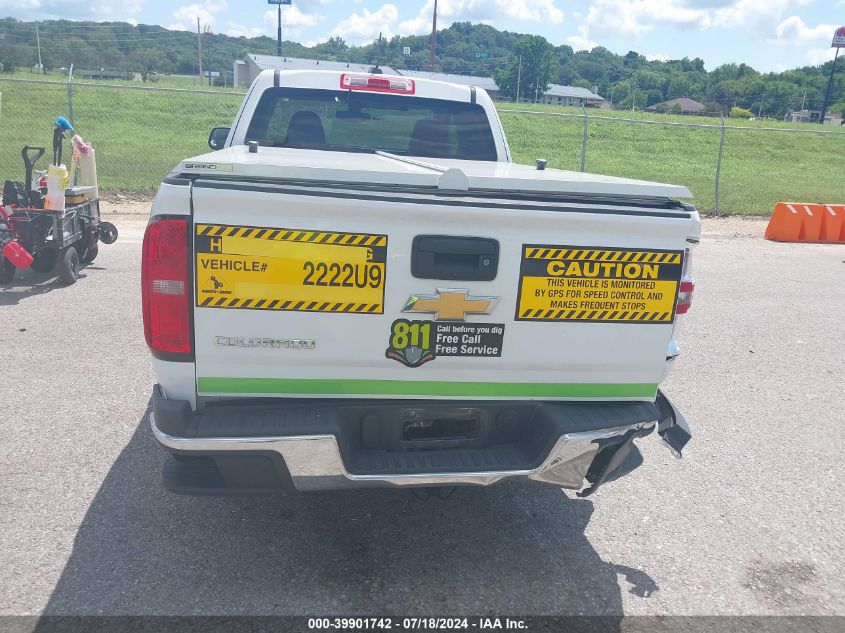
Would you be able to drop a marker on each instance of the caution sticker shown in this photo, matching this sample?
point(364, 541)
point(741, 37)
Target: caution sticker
point(253, 268)
point(607, 285)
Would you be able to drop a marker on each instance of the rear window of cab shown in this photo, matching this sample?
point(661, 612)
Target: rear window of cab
point(355, 121)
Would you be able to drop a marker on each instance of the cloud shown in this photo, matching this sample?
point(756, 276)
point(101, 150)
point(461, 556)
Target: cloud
point(186, 16)
point(293, 17)
point(311, 5)
point(758, 16)
point(111, 9)
point(656, 57)
point(794, 30)
point(637, 17)
point(294, 21)
point(239, 30)
point(582, 41)
point(818, 56)
point(20, 5)
point(366, 26)
point(481, 11)
point(71, 9)
point(316, 40)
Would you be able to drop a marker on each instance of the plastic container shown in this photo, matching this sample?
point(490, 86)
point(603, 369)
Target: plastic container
point(84, 162)
point(57, 179)
point(17, 254)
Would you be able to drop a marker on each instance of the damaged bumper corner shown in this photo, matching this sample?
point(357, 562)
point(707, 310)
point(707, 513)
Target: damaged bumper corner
point(672, 427)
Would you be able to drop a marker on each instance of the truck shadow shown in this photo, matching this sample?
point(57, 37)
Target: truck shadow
point(511, 548)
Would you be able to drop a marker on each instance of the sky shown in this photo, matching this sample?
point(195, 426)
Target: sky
point(770, 35)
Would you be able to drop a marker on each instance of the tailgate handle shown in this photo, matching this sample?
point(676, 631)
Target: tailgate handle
point(454, 258)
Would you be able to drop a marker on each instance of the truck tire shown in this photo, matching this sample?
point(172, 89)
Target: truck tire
point(69, 266)
point(90, 254)
point(7, 271)
point(44, 261)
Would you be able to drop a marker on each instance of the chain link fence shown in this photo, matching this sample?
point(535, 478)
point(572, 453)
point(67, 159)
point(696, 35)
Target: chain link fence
point(730, 168)
point(141, 132)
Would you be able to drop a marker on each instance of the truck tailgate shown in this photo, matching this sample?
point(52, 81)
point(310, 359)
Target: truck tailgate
point(311, 291)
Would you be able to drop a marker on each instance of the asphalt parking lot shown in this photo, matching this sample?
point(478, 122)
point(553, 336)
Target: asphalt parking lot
point(749, 522)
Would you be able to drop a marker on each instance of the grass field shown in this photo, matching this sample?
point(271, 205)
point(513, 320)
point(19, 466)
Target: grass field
point(758, 168)
point(141, 134)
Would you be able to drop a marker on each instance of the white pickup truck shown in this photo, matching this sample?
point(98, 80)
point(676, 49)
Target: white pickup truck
point(360, 288)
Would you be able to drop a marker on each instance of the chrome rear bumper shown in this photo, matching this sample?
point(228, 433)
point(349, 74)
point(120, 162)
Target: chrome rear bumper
point(315, 461)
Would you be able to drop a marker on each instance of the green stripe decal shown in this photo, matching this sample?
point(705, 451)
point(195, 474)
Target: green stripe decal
point(319, 386)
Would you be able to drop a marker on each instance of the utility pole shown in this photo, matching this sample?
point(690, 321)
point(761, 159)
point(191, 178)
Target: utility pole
point(432, 58)
point(838, 39)
point(279, 33)
point(633, 94)
point(207, 31)
point(611, 97)
point(760, 111)
point(803, 100)
point(518, 78)
point(279, 4)
point(378, 52)
point(199, 48)
point(38, 41)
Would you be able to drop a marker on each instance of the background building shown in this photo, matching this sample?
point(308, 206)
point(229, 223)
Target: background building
point(486, 83)
point(247, 70)
point(681, 105)
point(571, 96)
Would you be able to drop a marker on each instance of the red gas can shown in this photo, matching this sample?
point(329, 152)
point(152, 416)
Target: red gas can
point(17, 254)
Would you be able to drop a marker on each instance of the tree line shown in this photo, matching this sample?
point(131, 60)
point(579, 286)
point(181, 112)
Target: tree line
point(518, 62)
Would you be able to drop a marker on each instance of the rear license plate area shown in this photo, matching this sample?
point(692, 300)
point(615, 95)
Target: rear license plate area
point(439, 429)
point(421, 428)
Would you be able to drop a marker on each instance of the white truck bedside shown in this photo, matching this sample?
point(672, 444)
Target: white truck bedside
point(359, 288)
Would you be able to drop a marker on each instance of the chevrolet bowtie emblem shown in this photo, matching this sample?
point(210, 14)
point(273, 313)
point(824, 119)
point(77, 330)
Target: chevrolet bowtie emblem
point(450, 304)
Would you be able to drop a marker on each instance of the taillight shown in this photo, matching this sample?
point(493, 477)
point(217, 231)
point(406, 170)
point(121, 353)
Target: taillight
point(377, 83)
point(686, 287)
point(685, 297)
point(166, 288)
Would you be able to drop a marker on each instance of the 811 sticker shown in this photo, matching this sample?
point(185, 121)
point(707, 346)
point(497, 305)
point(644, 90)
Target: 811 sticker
point(414, 343)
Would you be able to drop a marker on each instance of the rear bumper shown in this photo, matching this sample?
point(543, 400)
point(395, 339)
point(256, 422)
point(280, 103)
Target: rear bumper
point(264, 446)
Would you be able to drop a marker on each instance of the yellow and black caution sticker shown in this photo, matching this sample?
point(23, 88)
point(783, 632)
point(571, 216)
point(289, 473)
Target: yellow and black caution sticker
point(255, 268)
point(598, 285)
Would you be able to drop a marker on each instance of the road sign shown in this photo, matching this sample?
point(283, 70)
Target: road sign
point(482, 55)
point(406, 50)
point(279, 1)
point(839, 38)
